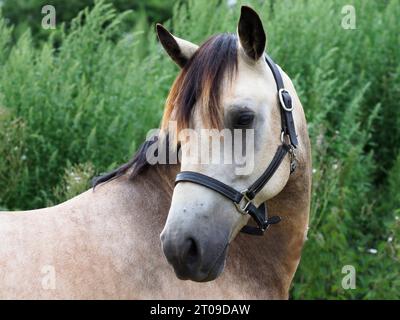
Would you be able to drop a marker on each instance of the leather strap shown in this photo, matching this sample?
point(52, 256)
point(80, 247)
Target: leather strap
point(285, 101)
point(257, 231)
point(276, 73)
point(257, 186)
point(210, 183)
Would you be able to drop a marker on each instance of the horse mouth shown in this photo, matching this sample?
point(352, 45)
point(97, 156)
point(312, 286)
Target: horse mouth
point(210, 274)
point(218, 266)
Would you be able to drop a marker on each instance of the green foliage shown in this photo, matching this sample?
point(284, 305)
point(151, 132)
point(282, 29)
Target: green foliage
point(82, 102)
point(74, 182)
point(92, 100)
point(13, 159)
point(28, 14)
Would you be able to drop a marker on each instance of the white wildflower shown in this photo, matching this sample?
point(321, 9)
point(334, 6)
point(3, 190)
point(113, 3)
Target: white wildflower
point(231, 3)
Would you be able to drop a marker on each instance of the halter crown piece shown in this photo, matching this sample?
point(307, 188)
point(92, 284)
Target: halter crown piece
point(243, 200)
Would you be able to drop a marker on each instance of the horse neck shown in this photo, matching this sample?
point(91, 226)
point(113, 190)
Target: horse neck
point(151, 191)
point(161, 178)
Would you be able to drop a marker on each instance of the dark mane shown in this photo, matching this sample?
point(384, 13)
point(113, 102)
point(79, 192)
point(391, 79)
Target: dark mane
point(200, 81)
point(138, 164)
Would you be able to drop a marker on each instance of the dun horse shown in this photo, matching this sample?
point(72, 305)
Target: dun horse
point(105, 243)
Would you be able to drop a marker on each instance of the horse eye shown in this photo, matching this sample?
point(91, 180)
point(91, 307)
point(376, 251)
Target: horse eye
point(244, 119)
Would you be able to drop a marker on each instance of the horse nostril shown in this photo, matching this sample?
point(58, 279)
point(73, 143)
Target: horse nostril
point(191, 252)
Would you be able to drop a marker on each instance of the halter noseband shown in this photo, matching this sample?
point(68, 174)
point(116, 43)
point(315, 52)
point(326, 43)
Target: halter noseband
point(243, 201)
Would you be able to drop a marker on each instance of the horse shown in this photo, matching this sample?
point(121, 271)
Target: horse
point(105, 243)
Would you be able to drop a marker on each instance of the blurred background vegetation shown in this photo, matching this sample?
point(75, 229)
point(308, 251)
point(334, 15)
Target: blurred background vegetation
point(78, 100)
point(25, 14)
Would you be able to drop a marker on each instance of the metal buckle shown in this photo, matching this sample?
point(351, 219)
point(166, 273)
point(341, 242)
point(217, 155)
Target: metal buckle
point(283, 136)
point(285, 139)
point(244, 203)
point(280, 94)
point(293, 159)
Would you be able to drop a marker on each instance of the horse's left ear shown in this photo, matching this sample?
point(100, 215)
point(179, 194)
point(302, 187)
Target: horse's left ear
point(251, 33)
point(178, 49)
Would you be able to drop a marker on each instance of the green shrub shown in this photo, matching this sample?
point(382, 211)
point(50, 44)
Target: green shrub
point(28, 14)
point(74, 182)
point(79, 101)
point(13, 159)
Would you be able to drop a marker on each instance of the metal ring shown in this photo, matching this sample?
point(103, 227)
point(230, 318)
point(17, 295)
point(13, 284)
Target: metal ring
point(280, 94)
point(246, 203)
point(242, 210)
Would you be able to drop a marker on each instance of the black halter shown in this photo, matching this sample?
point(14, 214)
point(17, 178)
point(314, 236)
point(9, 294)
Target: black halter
point(243, 201)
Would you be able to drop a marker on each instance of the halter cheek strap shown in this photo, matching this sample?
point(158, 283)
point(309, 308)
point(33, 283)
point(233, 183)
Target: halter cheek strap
point(243, 200)
point(286, 104)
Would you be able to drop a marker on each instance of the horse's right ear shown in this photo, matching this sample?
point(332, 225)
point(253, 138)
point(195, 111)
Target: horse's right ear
point(178, 49)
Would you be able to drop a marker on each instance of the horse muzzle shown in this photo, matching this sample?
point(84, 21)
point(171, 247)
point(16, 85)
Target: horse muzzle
point(193, 256)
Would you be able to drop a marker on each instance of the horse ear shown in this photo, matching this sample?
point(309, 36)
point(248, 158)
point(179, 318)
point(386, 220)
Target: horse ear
point(251, 33)
point(178, 49)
